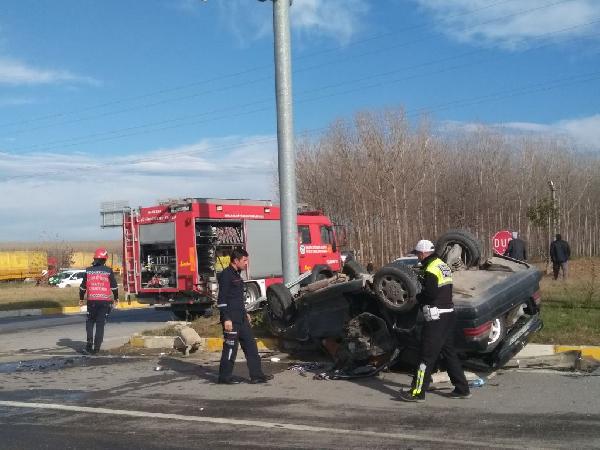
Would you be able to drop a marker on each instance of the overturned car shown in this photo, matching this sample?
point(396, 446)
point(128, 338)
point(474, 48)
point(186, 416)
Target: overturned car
point(367, 322)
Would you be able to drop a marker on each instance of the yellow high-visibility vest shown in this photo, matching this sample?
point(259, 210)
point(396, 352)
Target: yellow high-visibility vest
point(441, 271)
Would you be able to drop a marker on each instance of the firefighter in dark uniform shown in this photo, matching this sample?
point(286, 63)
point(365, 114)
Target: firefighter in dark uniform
point(437, 336)
point(236, 323)
point(100, 285)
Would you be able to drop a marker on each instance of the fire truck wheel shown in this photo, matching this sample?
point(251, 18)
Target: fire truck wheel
point(470, 248)
point(181, 314)
point(280, 306)
point(396, 287)
point(353, 269)
point(319, 272)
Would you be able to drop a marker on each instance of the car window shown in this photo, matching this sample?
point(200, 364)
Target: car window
point(79, 275)
point(304, 234)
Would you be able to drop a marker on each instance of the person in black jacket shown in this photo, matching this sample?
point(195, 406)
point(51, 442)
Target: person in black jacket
point(517, 249)
point(100, 286)
point(437, 335)
point(236, 323)
point(560, 253)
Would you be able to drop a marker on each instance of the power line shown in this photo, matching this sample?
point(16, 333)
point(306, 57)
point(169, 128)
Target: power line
point(193, 119)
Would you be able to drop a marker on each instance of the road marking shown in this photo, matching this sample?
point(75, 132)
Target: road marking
point(252, 423)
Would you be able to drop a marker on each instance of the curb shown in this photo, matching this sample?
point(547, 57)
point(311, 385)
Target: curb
point(64, 310)
point(207, 344)
point(539, 350)
point(215, 344)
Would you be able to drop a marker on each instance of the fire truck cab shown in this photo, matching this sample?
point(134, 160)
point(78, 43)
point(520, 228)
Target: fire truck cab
point(174, 251)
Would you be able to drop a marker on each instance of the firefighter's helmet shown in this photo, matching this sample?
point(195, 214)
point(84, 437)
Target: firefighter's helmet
point(100, 253)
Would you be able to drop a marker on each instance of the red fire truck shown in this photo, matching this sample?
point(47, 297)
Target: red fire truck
point(173, 252)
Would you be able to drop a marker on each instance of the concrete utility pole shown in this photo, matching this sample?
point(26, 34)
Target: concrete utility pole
point(285, 139)
point(554, 213)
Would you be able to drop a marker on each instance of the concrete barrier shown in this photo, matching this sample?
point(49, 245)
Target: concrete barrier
point(208, 344)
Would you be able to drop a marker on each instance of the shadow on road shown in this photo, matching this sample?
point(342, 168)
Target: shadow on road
point(78, 346)
point(210, 374)
point(139, 315)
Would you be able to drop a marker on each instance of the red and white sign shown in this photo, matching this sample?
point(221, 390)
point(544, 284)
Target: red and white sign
point(500, 241)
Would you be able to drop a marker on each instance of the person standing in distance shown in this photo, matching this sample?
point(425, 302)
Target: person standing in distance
point(517, 249)
point(236, 323)
point(100, 285)
point(560, 253)
point(437, 336)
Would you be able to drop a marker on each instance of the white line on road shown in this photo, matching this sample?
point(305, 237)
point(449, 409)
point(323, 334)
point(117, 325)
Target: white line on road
point(251, 423)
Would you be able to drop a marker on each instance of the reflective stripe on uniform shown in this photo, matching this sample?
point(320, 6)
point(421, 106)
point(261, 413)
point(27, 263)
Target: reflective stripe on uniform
point(441, 271)
point(420, 378)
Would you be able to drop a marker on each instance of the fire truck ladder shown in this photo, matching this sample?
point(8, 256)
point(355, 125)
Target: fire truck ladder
point(129, 249)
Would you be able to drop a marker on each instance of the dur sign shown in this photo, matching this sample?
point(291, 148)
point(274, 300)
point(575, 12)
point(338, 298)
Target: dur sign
point(500, 241)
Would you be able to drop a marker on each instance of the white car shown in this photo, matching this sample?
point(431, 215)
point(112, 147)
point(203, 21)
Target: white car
point(72, 280)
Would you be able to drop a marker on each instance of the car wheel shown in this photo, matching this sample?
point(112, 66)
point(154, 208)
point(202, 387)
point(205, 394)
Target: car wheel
point(280, 305)
point(497, 333)
point(470, 248)
point(252, 292)
point(353, 269)
point(396, 287)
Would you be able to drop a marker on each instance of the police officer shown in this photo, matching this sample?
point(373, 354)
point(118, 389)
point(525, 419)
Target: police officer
point(437, 336)
point(236, 323)
point(100, 285)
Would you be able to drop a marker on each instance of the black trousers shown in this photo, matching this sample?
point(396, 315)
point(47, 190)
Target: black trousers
point(437, 338)
point(241, 334)
point(97, 312)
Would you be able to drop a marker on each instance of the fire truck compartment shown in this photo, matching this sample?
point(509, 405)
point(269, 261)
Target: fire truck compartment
point(264, 246)
point(214, 242)
point(157, 255)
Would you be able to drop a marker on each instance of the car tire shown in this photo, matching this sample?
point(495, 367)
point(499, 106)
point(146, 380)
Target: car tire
point(280, 305)
point(396, 287)
point(497, 333)
point(470, 246)
point(353, 269)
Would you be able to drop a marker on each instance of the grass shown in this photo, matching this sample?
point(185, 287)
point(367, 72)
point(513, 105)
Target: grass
point(27, 296)
point(571, 308)
point(20, 295)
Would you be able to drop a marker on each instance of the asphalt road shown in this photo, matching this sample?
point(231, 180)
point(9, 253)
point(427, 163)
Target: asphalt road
point(127, 403)
point(52, 334)
point(70, 401)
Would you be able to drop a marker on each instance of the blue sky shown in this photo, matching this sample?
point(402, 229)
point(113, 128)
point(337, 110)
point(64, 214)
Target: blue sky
point(124, 99)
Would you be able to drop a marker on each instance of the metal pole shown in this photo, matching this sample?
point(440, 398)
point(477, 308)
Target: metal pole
point(285, 139)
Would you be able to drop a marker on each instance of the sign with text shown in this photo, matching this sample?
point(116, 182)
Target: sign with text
point(500, 241)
